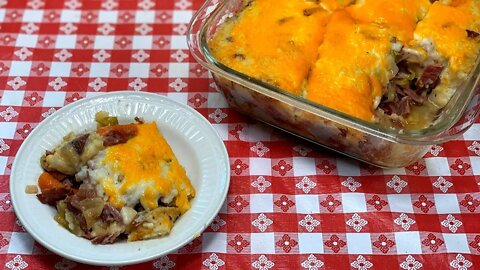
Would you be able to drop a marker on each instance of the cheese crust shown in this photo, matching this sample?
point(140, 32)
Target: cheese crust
point(354, 56)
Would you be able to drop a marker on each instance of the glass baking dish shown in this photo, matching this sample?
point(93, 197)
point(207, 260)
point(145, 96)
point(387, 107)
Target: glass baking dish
point(365, 141)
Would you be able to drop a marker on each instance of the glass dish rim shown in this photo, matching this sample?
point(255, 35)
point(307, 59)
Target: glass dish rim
point(436, 133)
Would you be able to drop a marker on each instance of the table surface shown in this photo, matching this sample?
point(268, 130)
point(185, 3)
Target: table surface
point(291, 205)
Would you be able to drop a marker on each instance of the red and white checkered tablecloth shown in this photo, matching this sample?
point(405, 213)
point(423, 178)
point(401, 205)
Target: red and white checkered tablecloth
point(291, 205)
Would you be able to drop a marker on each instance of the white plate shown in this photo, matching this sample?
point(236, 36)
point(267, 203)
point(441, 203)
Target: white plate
point(195, 143)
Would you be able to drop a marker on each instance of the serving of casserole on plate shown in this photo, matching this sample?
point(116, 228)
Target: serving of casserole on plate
point(378, 80)
point(123, 189)
point(117, 181)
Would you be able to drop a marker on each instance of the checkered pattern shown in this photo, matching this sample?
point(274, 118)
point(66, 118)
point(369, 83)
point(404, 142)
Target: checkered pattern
point(291, 205)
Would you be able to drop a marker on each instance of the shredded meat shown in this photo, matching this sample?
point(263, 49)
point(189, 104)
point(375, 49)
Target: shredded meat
point(388, 107)
point(52, 195)
point(411, 94)
point(83, 223)
point(403, 100)
point(430, 77)
point(79, 143)
point(408, 89)
point(86, 191)
point(404, 106)
point(113, 135)
point(98, 221)
point(110, 214)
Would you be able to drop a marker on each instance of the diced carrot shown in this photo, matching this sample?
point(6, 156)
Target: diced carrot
point(47, 181)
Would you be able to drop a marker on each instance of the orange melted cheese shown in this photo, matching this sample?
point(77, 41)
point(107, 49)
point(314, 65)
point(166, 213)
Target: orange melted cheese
point(333, 5)
point(401, 16)
point(148, 166)
point(446, 26)
point(352, 67)
point(275, 43)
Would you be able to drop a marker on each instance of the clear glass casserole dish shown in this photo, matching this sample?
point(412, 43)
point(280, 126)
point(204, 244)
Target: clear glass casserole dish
point(366, 141)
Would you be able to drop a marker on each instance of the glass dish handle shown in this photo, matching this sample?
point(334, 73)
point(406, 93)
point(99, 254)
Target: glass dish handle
point(469, 116)
point(195, 28)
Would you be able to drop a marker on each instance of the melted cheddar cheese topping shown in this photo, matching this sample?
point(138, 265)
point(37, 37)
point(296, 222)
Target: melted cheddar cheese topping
point(352, 66)
point(400, 16)
point(446, 26)
point(275, 43)
point(148, 168)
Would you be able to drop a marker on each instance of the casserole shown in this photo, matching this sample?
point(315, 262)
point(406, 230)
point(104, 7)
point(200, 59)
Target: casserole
point(381, 143)
point(121, 180)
